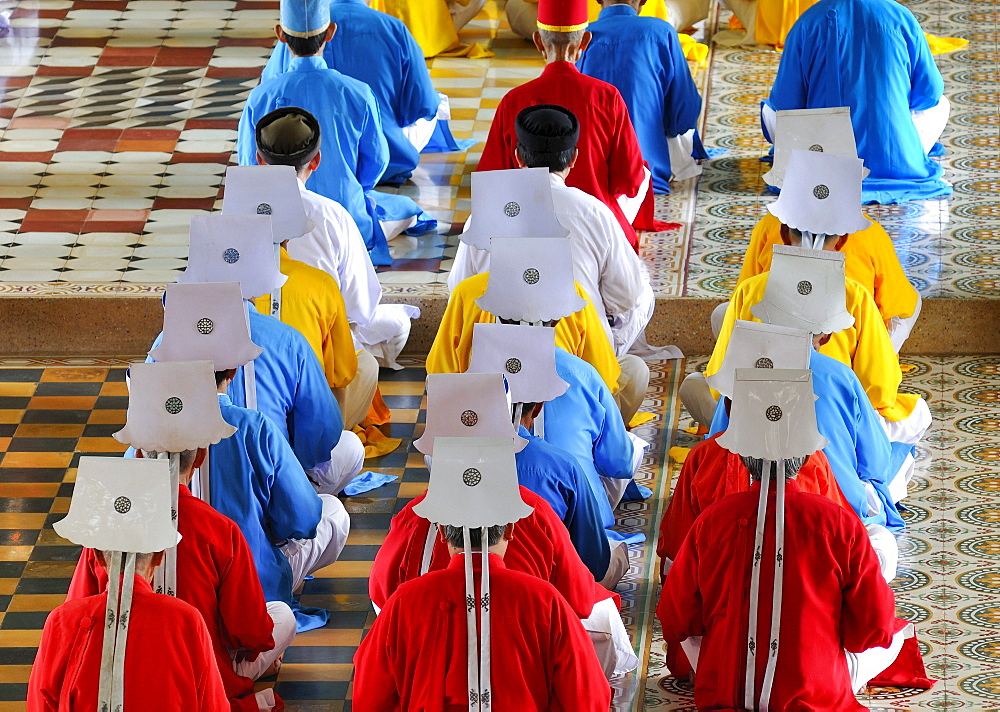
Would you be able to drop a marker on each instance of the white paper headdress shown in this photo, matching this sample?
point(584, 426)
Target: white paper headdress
point(173, 407)
point(531, 280)
point(822, 195)
point(467, 405)
point(756, 345)
point(806, 289)
point(818, 130)
point(233, 248)
point(206, 322)
point(525, 355)
point(267, 190)
point(512, 203)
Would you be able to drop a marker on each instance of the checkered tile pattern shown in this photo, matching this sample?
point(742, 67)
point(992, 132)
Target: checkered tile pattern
point(50, 416)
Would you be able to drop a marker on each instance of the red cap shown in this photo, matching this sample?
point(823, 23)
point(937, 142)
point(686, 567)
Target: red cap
point(562, 15)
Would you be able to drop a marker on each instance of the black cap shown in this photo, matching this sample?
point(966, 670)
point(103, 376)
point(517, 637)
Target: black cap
point(547, 128)
point(289, 136)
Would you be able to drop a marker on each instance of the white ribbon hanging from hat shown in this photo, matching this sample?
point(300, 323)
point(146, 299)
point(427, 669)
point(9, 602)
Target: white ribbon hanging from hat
point(511, 203)
point(818, 130)
point(531, 280)
point(473, 485)
point(119, 506)
point(806, 289)
point(773, 418)
point(821, 197)
point(525, 355)
point(756, 345)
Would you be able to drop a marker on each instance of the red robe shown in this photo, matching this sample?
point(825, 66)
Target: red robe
point(169, 665)
point(710, 473)
point(610, 161)
point(541, 547)
point(834, 598)
point(216, 575)
point(415, 656)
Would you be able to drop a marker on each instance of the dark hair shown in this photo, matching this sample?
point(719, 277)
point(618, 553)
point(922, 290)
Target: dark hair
point(220, 376)
point(555, 162)
point(305, 46)
point(454, 536)
point(526, 408)
point(185, 462)
point(756, 467)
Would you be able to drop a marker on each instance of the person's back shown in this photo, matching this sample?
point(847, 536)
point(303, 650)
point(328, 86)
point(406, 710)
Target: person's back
point(414, 656)
point(643, 59)
point(377, 49)
point(169, 664)
point(216, 575)
point(870, 55)
point(834, 592)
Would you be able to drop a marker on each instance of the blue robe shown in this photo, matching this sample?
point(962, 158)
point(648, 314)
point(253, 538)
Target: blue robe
point(292, 390)
point(642, 57)
point(556, 477)
point(859, 450)
point(353, 147)
point(377, 49)
point(256, 481)
point(870, 55)
point(585, 422)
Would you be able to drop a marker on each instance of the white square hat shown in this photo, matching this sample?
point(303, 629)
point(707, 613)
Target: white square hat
point(773, 415)
point(473, 484)
point(818, 130)
point(512, 203)
point(267, 190)
point(233, 248)
point(806, 289)
point(467, 405)
point(756, 345)
point(525, 355)
point(822, 194)
point(121, 504)
point(531, 280)
point(206, 322)
point(173, 407)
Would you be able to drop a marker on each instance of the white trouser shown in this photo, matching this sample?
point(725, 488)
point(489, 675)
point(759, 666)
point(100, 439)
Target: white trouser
point(630, 206)
point(522, 17)
point(746, 13)
point(611, 641)
point(930, 122)
point(345, 462)
point(356, 397)
point(697, 398)
point(911, 428)
point(618, 566)
point(461, 13)
point(864, 666)
point(632, 385)
point(899, 329)
point(718, 317)
point(629, 326)
point(385, 335)
point(900, 481)
point(308, 555)
point(682, 165)
point(683, 14)
point(886, 548)
point(420, 132)
point(283, 634)
point(614, 488)
point(394, 228)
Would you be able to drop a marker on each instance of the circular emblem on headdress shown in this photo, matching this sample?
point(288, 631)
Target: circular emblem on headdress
point(122, 505)
point(472, 477)
point(469, 418)
point(511, 209)
point(231, 255)
point(816, 147)
point(773, 413)
point(764, 362)
point(263, 209)
point(174, 405)
point(804, 287)
point(531, 275)
point(821, 192)
point(205, 326)
point(513, 365)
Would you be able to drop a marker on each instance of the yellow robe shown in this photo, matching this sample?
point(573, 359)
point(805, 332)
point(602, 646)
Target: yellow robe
point(430, 23)
point(311, 303)
point(865, 346)
point(580, 334)
point(871, 261)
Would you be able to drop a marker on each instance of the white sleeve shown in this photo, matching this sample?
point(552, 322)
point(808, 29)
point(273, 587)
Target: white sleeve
point(623, 276)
